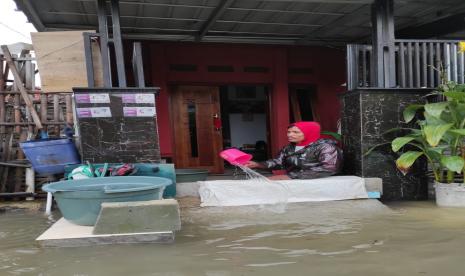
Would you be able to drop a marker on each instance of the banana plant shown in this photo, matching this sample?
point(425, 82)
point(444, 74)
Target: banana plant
point(440, 135)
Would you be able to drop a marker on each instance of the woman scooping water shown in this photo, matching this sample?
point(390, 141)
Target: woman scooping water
point(307, 156)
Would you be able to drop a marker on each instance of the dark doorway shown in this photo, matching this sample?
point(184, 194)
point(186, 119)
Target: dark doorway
point(244, 113)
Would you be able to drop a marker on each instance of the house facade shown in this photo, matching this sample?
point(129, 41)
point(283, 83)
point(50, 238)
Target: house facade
point(236, 73)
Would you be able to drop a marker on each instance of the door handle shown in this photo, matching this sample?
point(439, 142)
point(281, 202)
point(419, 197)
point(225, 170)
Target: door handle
point(217, 122)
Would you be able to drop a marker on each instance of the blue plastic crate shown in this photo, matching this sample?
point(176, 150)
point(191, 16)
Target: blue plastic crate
point(49, 156)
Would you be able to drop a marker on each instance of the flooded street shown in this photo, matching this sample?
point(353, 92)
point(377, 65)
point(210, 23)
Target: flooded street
point(360, 237)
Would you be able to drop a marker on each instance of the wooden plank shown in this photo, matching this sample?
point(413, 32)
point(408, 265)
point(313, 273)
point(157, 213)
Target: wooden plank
point(6, 71)
point(69, 110)
point(12, 92)
point(61, 60)
point(43, 111)
point(20, 172)
point(6, 157)
point(56, 113)
point(27, 100)
point(50, 123)
point(17, 113)
point(29, 85)
point(43, 107)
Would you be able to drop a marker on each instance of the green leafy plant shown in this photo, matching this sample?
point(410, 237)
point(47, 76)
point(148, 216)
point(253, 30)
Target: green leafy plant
point(439, 135)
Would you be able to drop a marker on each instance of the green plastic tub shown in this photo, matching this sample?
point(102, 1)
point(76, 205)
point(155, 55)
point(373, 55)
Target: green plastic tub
point(191, 175)
point(79, 200)
point(143, 169)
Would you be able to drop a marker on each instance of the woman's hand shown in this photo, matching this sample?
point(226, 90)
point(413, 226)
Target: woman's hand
point(252, 165)
point(279, 177)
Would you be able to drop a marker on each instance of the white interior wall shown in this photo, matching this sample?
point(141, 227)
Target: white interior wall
point(247, 132)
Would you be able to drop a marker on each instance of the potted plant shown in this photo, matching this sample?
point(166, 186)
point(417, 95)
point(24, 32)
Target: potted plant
point(439, 137)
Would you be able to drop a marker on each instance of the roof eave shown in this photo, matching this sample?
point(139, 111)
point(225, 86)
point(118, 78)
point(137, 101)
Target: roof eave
point(28, 9)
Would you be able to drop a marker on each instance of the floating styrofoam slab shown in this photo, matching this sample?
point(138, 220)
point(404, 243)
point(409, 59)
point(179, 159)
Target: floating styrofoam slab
point(66, 234)
point(250, 192)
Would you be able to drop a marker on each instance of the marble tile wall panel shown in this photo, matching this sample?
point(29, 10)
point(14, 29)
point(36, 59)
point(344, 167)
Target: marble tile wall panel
point(368, 114)
point(122, 137)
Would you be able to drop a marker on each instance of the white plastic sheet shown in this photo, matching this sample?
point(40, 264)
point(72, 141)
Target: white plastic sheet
point(249, 192)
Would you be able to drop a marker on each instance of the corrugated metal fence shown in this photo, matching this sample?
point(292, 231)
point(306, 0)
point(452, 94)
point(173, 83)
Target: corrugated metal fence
point(419, 64)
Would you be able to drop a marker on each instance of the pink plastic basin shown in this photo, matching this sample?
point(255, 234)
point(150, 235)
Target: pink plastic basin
point(235, 156)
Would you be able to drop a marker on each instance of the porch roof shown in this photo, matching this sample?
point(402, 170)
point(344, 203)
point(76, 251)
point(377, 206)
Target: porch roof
point(251, 21)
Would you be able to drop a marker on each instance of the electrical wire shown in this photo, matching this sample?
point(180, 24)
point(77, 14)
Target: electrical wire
point(11, 29)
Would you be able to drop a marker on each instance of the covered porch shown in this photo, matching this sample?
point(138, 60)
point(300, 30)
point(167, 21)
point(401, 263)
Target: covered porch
point(277, 44)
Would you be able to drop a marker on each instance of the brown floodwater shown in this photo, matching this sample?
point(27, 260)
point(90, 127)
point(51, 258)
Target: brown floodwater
point(358, 237)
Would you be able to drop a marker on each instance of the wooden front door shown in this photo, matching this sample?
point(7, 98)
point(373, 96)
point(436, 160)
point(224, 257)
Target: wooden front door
point(198, 141)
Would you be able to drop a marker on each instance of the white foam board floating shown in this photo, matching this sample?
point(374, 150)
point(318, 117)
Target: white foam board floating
point(249, 192)
point(66, 234)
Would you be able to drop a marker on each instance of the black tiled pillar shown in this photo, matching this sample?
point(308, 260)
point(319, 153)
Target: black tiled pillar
point(117, 125)
point(367, 114)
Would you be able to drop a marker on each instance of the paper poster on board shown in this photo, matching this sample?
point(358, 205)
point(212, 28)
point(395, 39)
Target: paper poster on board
point(92, 98)
point(139, 111)
point(93, 112)
point(138, 98)
point(100, 112)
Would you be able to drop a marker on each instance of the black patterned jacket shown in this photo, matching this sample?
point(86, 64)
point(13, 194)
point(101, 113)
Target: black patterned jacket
point(321, 158)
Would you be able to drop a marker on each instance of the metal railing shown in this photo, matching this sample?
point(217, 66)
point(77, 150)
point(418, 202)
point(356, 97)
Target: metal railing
point(418, 64)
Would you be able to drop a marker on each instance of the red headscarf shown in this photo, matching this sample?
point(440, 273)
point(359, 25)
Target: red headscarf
point(311, 132)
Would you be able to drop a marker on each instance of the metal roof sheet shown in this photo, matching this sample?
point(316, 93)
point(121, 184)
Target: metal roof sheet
point(266, 21)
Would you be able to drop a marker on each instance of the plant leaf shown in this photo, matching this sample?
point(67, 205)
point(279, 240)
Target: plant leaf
point(431, 120)
point(460, 110)
point(435, 109)
point(453, 163)
point(336, 135)
point(435, 153)
point(373, 148)
point(399, 142)
point(460, 96)
point(406, 160)
point(460, 131)
point(409, 112)
point(433, 134)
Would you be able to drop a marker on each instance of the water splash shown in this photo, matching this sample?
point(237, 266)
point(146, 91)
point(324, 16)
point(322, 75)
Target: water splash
point(278, 190)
